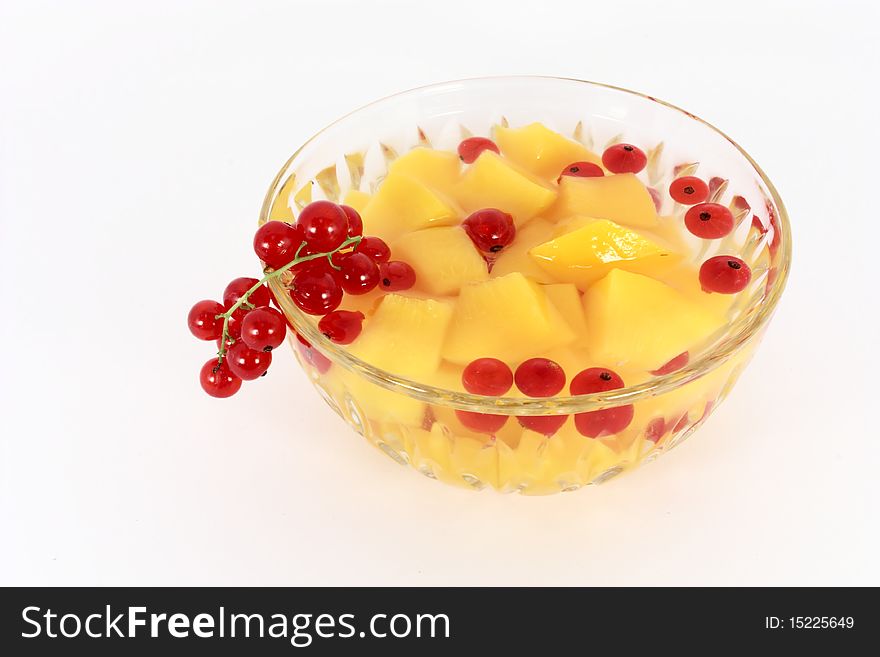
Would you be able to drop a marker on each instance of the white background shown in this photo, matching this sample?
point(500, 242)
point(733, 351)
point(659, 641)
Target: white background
point(136, 143)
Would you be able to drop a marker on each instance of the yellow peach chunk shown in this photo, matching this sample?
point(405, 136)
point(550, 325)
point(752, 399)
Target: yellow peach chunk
point(356, 199)
point(378, 404)
point(365, 303)
point(571, 224)
point(515, 258)
point(436, 169)
point(493, 182)
point(567, 300)
point(637, 321)
point(443, 258)
point(585, 255)
point(622, 198)
point(541, 151)
point(686, 279)
point(405, 335)
point(508, 318)
point(402, 204)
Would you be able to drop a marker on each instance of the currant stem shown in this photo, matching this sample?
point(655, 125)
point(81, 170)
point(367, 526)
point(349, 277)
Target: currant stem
point(243, 300)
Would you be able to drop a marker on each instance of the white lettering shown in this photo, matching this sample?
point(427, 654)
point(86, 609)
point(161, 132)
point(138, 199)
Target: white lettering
point(433, 618)
point(298, 627)
point(89, 625)
point(155, 619)
point(343, 622)
point(77, 624)
point(203, 626)
point(373, 626)
point(278, 628)
point(178, 626)
point(134, 621)
point(247, 623)
point(49, 616)
point(113, 625)
point(24, 617)
point(322, 621)
point(394, 619)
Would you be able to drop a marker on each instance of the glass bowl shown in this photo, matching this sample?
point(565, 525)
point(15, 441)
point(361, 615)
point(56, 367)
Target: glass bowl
point(414, 422)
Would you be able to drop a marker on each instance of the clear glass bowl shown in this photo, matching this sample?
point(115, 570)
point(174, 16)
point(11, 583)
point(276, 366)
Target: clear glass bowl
point(413, 422)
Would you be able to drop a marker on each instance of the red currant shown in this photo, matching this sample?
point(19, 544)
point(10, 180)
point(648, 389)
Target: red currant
point(324, 225)
point(342, 326)
point(375, 248)
point(203, 321)
point(481, 422)
point(673, 365)
point(315, 291)
point(709, 220)
point(724, 274)
point(396, 275)
point(263, 329)
point(312, 356)
point(360, 273)
point(470, 149)
point(543, 424)
point(490, 230)
point(539, 377)
point(688, 190)
point(217, 379)
point(246, 363)
point(581, 170)
point(236, 289)
point(487, 376)
point(608, 421)
point(276, 242)
point(355, 223)
point(624, 158)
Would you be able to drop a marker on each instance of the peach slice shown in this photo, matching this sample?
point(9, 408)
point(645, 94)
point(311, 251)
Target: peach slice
point(639, 322)
point(508, 318)
point(585, 255)
point(622, 198)
point(493, 182)
point(541, 151)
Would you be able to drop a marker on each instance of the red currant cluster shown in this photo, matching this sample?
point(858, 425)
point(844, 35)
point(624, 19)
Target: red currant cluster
point(327, 255)
point(542, 377)
point(246, 330)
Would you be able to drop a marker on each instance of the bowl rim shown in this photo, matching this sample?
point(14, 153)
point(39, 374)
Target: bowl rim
point(738, 334)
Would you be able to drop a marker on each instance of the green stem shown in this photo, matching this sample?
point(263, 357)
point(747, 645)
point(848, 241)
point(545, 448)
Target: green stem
point(243, 300)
